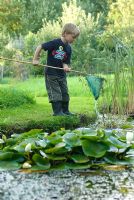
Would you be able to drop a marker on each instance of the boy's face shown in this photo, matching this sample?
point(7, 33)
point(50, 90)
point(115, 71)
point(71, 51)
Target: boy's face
point(69, 37)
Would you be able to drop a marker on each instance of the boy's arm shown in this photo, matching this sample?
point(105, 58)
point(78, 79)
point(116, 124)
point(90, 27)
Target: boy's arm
point(37, 55)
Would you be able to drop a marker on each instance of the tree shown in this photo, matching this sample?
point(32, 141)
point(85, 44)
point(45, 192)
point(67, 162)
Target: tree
point(11, 12)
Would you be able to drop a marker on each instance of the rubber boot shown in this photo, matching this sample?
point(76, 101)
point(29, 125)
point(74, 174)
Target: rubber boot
point(57, 108)
point(65, 108)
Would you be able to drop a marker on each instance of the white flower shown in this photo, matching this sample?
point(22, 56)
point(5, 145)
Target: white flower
point(1, 141)
point(26, 165)
point(43, 154)
point(129, 137)
point(28, 147)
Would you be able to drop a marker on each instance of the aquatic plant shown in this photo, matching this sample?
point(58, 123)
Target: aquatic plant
point(65, 149)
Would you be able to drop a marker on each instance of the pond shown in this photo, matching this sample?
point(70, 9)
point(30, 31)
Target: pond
point(68, 185)
point(100, 184)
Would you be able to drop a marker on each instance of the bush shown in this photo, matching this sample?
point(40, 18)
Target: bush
point(10, 97)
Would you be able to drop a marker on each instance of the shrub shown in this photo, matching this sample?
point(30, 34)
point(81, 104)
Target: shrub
point(10, 97)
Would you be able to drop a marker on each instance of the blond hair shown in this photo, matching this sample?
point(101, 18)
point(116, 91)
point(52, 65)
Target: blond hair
point(71, 28)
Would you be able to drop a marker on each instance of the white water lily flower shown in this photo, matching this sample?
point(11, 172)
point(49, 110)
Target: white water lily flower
point(129, 137)
point(26, 165)
point(1, 141)
point(28, 147)
point(43, 154)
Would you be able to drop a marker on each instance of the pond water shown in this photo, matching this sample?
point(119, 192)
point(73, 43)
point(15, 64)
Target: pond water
point(67, 185)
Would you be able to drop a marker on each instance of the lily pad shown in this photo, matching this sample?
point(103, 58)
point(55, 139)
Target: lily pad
point(117, 143)
point(59, 148)
point(94, 149)
point(72, 139)
point(41, 162)
point(6, 155)
point(9, 165)
point(78, 158)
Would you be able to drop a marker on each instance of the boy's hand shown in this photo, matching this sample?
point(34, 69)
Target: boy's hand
point(35, 62)
point(66, 68)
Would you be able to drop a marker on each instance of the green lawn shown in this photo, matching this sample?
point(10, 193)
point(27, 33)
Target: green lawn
point(33, 115)
point(42, 110)
point(36, 86)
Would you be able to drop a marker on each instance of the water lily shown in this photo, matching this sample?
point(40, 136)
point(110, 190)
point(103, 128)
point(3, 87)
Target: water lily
point(1, 141)
point(4, 137)
point(43, 154)
point(129, 137)
point(26, 165)
point(28, 147)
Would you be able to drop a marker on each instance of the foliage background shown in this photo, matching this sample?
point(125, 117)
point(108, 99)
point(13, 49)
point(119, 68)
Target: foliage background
point(105, 45)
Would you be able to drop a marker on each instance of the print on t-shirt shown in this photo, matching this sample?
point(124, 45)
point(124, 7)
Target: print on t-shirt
point(59, 53)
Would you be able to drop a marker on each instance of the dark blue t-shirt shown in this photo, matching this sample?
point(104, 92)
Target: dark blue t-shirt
point(57, 54)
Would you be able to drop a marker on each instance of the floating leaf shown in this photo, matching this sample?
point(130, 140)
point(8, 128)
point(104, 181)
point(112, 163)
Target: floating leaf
point(41, 143)
point(65, 166)
point(71, 139)
point(6, 155)
point(77, 166)
point(91, 135)
point(54, 138)
point(9, 165)
point(78, 158)
point(55, 157)
point(11, 141)
point(100, 133)
point(112, 159)
point(59, 148)
point(94, 149)
point(117, 143)
point(41, 162)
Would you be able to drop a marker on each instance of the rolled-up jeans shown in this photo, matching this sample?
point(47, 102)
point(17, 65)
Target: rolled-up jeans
point(57, 88)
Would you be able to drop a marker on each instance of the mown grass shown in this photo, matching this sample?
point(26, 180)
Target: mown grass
point(36, 86)
point(39, 115)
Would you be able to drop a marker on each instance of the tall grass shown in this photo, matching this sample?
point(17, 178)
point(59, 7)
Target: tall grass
point(118, 96)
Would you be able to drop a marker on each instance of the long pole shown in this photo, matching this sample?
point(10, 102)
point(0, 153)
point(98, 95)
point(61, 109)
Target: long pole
point(30, 63)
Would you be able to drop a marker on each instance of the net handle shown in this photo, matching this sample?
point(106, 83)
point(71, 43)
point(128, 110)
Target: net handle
point(30, 63)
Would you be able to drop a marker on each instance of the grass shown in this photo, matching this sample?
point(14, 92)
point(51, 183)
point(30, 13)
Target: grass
point(36, 86)
point(39, 115)
point(42, 110)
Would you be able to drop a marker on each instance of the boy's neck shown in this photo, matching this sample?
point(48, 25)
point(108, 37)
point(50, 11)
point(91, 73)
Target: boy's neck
point(63, 40)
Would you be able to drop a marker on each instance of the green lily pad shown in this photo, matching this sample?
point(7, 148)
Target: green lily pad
point(6, 155)
point(71, 139)
point(41, 143)
point(66, 166)
point(59, 148)
point(117, 143)
point(54, 139)
point(41, 162)
point(94, 149)
point(112, 159)
point(55, 157)
point(78, 158)
point(9, 165)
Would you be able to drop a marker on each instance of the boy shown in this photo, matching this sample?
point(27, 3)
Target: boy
point(58, 55)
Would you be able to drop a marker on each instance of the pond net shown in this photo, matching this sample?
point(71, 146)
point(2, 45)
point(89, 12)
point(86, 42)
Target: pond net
point(95, 84)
